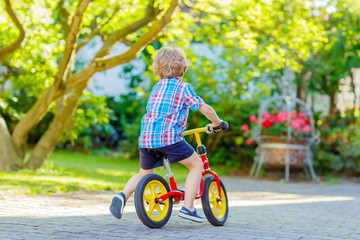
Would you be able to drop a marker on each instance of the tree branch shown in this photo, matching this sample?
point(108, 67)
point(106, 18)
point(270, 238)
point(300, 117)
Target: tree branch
point(140, 44)
point(97, 30)
point(64, 15)
point(118, 35)
point(5, 51)
point(101, 64)
point(129, 43)
point(70, 47)
point(126, 42)
point(42, 105)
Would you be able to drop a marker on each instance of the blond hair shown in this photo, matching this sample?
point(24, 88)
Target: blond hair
point(170, 62)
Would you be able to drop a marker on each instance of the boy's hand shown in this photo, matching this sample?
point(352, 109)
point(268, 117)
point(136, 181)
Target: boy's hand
point(214, 125)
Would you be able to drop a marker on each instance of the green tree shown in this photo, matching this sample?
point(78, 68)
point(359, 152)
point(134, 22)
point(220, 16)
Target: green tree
point(323, 71)
point(66, 86)
point(268, 34)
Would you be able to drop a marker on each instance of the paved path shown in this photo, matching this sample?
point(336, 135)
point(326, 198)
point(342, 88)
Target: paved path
point(258, 210)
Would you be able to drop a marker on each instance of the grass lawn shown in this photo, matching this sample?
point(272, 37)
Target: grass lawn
point(71, 171)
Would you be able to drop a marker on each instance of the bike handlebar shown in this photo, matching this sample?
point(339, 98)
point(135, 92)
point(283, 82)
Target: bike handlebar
point(223, 126)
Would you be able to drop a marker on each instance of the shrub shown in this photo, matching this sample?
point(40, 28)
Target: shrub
point(339, 149)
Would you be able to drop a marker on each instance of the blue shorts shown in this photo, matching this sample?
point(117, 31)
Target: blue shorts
point(174, 152)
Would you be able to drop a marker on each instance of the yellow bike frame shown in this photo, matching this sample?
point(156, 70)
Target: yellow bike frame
point(196, 131)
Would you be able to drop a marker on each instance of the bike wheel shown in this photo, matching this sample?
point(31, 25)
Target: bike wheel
point(151, 213)
point(216, 211)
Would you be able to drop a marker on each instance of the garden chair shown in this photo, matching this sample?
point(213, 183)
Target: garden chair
point(285, 151)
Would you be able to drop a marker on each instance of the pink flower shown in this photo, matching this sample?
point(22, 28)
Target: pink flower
point(266, 116)
point(281, 117)
point(302, 122)
point(253, 118)
point(245, 127)
point(301, 115)
point(307, 128)
point(296, 123)
point(298, 130)
point(249, 141)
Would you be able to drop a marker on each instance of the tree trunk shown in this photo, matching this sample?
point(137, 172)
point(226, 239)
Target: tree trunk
point(32, 117)
point(332, 104)
point(65, 111)
point(42, 105)
point(9, 160)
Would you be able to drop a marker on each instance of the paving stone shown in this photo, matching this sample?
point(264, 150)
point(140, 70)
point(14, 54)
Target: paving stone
point(265, 210)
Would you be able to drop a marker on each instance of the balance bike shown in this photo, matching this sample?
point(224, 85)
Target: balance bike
point(154, 198)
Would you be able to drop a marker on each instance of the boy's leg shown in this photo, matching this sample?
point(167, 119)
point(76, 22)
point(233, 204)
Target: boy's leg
point(195, 166)
point(133, 181)
point(119, 201)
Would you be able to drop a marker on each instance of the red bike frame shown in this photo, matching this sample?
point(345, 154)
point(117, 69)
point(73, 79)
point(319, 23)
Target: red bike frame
point(179, 195)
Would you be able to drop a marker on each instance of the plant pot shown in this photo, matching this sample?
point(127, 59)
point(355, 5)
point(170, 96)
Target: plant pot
point(274, 149)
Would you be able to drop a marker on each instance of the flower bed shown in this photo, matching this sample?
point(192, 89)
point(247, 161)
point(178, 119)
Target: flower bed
point(272, 137)
point(278, 124)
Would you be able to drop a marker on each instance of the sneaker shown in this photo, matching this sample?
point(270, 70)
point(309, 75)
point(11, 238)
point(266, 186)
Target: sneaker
point(193, 216)
point(117, 205)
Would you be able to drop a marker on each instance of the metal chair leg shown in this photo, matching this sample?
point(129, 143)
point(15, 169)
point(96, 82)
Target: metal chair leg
point(287, 165)
point(261, 161)
point(312, 171)
point(306, 170)
point(252, 171)
point(309, 164)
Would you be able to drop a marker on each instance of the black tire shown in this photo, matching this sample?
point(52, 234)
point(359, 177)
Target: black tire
point(143, 207)
point(219, 218)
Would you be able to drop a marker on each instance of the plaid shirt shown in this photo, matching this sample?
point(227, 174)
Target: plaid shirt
point(166, 113)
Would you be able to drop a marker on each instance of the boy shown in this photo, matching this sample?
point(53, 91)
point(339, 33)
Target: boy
point(163, 126)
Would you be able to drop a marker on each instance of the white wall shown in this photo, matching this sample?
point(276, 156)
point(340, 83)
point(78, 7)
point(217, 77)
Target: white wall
point(345, 98)
point(109, 82)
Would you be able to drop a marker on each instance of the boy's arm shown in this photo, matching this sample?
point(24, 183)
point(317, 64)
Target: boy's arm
point(210, 114)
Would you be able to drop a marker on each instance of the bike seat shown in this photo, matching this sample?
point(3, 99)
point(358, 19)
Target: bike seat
point(157, 153)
